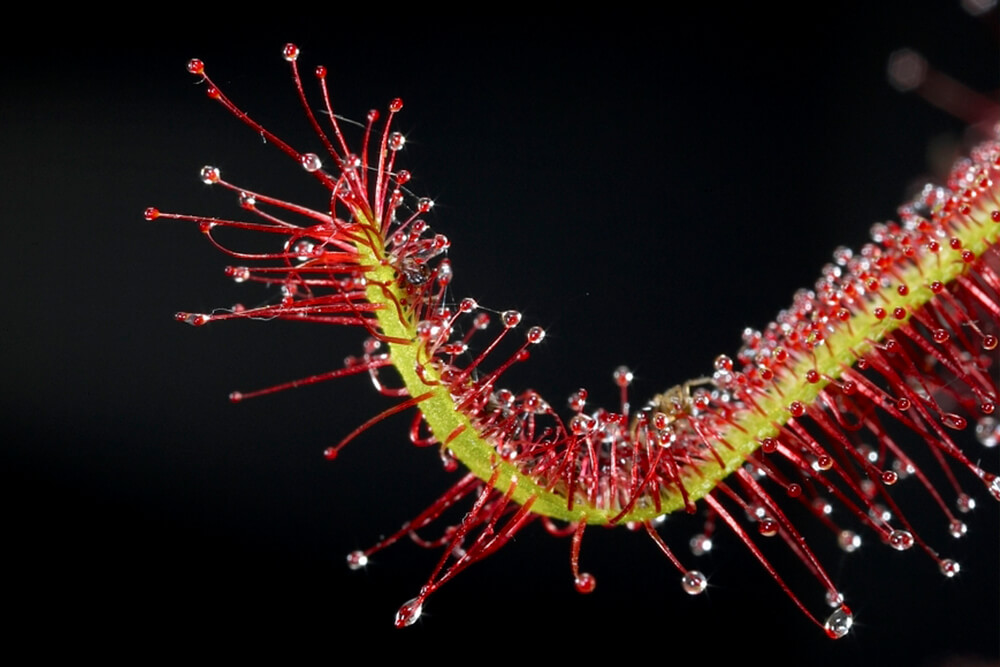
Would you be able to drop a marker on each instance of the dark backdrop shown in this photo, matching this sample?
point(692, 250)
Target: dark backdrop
point(643, 188)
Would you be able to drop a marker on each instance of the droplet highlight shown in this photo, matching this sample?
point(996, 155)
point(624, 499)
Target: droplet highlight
point(839, 623)
point(409, 613)
point(396, 141)
point(356, 560)
point(700, 544)
point(694, 582)
point(900, 540)
point(950, 568)
point(988, 432)
point(310, 162)
point(849, 541)
point(210, 175)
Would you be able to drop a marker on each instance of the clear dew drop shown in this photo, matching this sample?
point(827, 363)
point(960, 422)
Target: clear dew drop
point(536, 335)
point(849, 541)
point(902, 469)
point(194, 319)
point(534, 403)
point(723, 363)
point(767, 527)
point(623, 376)
point(396, 141)
point(988, 432)
point(310, 162)
point(504, 398)
point(965, 503)
point(842, 255)
point(950, 568)
point(428, 330)
point(445, 273)
point(240, 274)
point(409, 613)
point(957, 528)
point(577, 400)
point(304, 249)
point(350, 163)
point(994, 488)
point(396, 200)
point(839, 623)
point(700, 544)
point(357, 560)
point(693, 582)
point(510, 318)
point(822, 506)
point(953, 421)
point(834, 599)
point(581, 424)
point(880, 512)
point(900, 540)
point(210, 174)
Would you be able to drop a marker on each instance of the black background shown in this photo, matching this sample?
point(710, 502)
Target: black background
point(642, 188)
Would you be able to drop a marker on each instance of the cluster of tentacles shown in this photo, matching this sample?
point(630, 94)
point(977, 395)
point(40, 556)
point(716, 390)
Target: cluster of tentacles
point(895, 346)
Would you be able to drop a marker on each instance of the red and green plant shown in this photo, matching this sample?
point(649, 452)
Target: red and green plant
point(865, 380)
